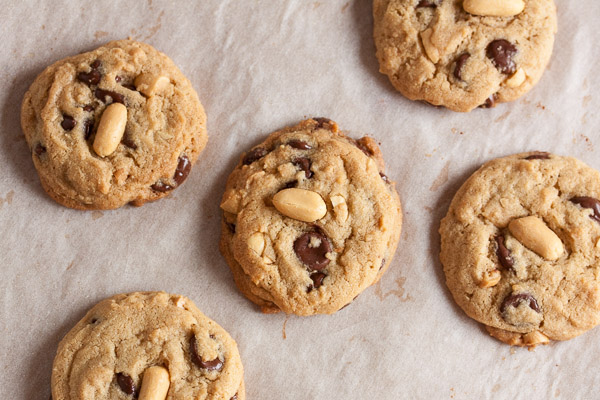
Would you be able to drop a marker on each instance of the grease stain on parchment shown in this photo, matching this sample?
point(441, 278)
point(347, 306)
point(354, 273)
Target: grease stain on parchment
point(502, 117)
point(100, 34)
point(8, 199)
point(151, 31)
point(441, 178)
point(345, 6)
point(97, 215)
point(581, 138)
point(399, 292)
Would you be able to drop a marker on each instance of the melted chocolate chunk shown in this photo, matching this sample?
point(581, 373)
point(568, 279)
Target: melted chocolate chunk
point(539, 155)
point(299, 144)
point(514, 300)
point(254, 155)
point(88, 108)
point(162, 187)
point(39, 149)
point(460, 62)
point(313, 257)
point(88, 128)
point(126, 383)
point(589, 202)
point(215, 364)
point(68, 122)
point(429, 3)
point(501, 52)
point(183, 169)
point(102, 94)
point(317, 279)
point(304, 164)
point(490, 102)
point(90, 78)
point(504, 257)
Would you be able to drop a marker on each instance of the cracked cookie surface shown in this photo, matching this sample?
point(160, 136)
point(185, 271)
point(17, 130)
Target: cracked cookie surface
point(521, 248)
point(106, 355)
point(310, 220)
point(434, 50)
point(146, 148)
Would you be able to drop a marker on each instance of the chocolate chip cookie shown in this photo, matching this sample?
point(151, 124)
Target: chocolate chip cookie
point(310, 220)
point(117, 125)
point(464, 54)
point(147, 344)
point(521, 248)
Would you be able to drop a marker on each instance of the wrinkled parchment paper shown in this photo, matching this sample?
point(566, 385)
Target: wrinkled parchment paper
point(258, 66)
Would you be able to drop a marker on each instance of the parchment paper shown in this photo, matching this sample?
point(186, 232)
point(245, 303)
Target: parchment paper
point(259, 66)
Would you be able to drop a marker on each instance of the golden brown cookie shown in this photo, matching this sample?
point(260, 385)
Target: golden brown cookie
point(117, 125)
point(464, 54)
point(521, 248)
point(310, 220)
point(135, 344)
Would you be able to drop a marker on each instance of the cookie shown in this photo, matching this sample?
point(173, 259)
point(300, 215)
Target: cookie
point(309, 219)
point(464, 54)
point(521, 248)
point(117, 125)
point(147, 344)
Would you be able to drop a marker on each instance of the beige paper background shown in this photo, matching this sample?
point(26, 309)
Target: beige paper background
point(259, 65)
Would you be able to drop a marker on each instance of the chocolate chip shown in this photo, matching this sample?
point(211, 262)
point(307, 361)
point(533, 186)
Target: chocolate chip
point(384, 177)
point(102, 94)
point(127, 141)
point(299, 144)
point(382, 264)
point(88, 108)
point(125, 383)
point(589, 202)
point(304, 164)
point(162, 187)
point(539, 155)
point(254, 155)
point(39, 149)
point(460, 62)
point(490, 102)
point(321, 122)
point(429, 3)
point(96, 64)
point(234, 397)
point(215, 364)
point(313, 257)
point(88, 128)
point(504, 257)
point(90, 78)
point(501, 52)
point(230, 226)
point(93, 321)
point(183, 169)
point(515, 299)
point(118, 79)
point(68, 122)
point(317, 279)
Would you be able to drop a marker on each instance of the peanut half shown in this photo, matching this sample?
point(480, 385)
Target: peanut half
point(150, 84)
point(494, 8)
point(534, 338)
point(300, 204)
point(516, 79)
point(155, 384)
point(111, 129)
point(534, 234)
point(490, 279)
